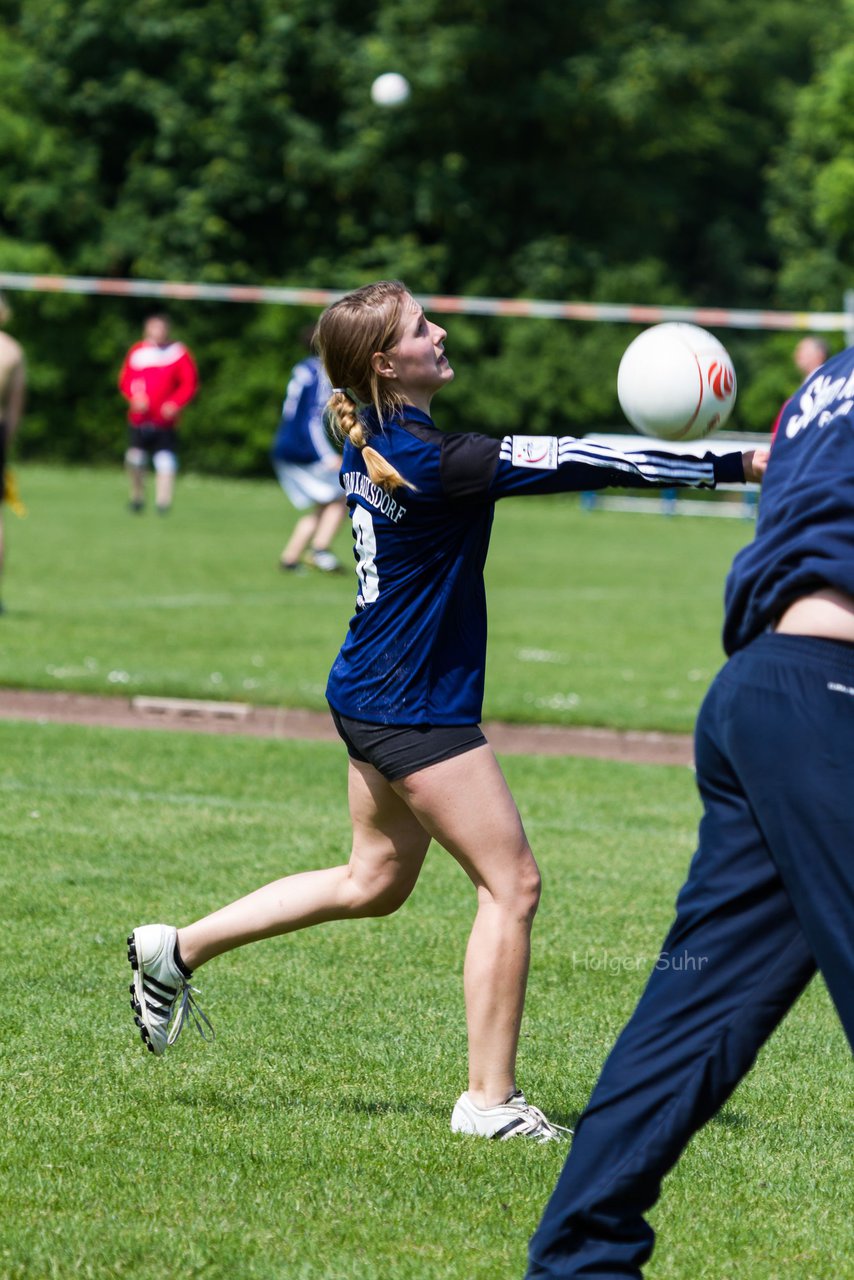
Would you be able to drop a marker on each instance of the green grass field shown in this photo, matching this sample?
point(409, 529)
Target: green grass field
point(595, 618)
point(310, 1141)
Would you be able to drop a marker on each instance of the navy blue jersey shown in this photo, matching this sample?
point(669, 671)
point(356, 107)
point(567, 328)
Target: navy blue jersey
point(301, 436)
point(805, 531)
point(415, 652)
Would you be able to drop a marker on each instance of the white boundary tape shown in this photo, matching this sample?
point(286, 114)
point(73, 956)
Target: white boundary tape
point(532, 308)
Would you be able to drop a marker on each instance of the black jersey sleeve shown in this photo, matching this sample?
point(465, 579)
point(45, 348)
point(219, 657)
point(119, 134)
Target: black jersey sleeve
point(467, 461)
point(468, 464)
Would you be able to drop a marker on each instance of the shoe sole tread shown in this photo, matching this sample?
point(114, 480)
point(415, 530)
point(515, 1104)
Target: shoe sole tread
point(136, 1007)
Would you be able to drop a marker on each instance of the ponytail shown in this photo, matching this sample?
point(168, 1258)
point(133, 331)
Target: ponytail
point(342, 409)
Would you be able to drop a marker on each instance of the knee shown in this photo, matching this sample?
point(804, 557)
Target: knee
point(165, 462)
point(135, 458)
point(377, 897)
point(388, 900)
point(521, 895)
point(529, 889)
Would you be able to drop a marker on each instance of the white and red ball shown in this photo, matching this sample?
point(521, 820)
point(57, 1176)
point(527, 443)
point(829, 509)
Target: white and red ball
point(676, 382)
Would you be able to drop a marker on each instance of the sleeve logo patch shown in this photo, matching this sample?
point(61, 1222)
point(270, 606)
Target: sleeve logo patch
point(539, 452)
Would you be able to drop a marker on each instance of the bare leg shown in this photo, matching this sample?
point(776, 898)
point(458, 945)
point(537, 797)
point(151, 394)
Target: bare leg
point(136, 477)
point(328, 523)
point(389, 846)
point(466, 805)
point(164, 488)
point(302, 535)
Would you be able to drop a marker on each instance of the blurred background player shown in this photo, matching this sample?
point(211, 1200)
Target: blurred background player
point(307, 466)
point(809, 355)
point(158, 379)
point(13, 377)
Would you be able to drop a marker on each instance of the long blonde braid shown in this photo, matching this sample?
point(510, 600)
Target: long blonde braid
point(345, 415)
point(348, 334)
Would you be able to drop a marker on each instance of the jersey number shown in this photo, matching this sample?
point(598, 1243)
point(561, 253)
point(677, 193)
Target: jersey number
point(366, 552)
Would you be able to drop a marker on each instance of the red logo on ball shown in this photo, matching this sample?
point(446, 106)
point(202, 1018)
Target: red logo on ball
point(721, 379)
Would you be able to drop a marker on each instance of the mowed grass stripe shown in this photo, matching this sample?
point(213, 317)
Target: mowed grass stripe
point(311, 1139)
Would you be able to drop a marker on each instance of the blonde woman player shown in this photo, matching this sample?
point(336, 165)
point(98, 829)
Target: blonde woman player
point(406, 690)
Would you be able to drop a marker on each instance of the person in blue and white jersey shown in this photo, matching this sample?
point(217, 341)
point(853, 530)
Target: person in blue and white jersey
point(769, 897)
point(407, 687)
point(306, 465)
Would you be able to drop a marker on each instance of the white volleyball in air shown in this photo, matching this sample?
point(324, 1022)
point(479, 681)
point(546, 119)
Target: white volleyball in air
point(676, 382)
point(390, 89)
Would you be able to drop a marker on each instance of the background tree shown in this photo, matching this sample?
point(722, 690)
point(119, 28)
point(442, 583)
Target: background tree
point(811, 184)
point(617, 152)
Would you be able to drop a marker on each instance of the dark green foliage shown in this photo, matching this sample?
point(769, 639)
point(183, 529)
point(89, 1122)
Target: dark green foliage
point(811, 197)
point(619, 152)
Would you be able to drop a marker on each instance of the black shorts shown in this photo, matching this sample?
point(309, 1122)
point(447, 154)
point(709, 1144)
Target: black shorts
point(154, 439)
point(396, 750)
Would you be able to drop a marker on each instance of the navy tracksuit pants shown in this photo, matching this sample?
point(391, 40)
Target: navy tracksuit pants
point(769, 897)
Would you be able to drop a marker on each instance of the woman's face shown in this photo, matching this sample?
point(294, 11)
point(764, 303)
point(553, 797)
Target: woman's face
point(417, 363)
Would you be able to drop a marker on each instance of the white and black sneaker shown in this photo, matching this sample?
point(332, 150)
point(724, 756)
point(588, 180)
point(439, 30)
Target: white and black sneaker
point(514, 1118)
point(325, 561)
point(160, 983)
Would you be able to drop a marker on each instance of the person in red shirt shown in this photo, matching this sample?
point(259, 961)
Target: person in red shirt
point(158, 379)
